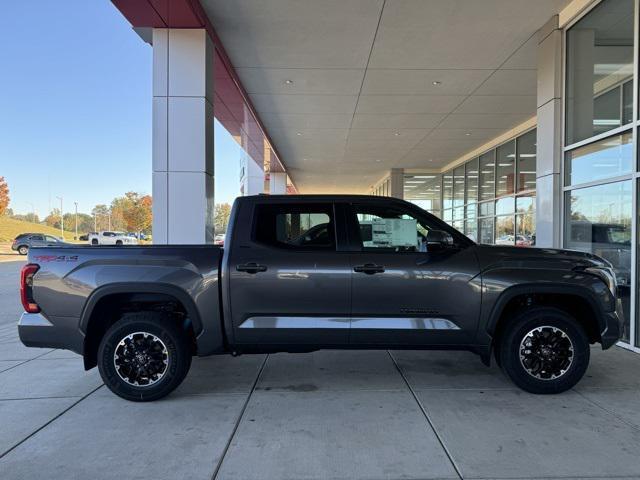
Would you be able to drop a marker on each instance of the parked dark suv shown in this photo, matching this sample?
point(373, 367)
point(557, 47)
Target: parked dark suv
point(25, 241)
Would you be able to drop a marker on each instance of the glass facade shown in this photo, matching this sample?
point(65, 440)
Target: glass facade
point(600, 138)
point(491, 198)
point(599, 71)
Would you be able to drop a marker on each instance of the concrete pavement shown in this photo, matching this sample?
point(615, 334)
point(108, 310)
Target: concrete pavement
point(323, 415)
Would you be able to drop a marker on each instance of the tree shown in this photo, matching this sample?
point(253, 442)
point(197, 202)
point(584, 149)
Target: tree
point(101, 216)
point(221, 214)
point(4, 196)
point(132, 212)
point(53, 219)
point(27, 217)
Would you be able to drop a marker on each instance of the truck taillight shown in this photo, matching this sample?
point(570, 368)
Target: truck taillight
point(26, 288)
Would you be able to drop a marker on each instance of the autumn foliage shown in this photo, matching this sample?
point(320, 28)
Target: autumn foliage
point(4, 196)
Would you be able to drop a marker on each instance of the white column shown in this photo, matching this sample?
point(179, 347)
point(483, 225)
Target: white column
point(252, 180)
point(278, 183)
point(549, 136)
point(396, 183)
point(183, 136)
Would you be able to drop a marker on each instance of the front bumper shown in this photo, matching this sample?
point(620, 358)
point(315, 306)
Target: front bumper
point(35, 330)
point(614, 326)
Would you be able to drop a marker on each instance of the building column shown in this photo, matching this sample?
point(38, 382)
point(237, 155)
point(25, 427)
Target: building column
point(277, 183)
point(252, 176)
point(396, 183)
point(183, 158)
point(549, 136)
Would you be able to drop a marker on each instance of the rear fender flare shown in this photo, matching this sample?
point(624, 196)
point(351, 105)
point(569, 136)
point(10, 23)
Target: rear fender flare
point(134, 287)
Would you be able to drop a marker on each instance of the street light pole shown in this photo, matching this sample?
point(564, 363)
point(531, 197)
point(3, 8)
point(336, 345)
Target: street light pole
point(76, 204)
point(61, 218)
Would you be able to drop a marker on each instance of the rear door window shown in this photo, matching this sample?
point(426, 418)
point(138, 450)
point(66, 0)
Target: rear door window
point(296, 227)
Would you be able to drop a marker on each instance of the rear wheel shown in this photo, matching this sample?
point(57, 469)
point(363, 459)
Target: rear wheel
point(94, 242)
point(118, 242)
point(23, 249)
point(144, 356)
point(544, 350)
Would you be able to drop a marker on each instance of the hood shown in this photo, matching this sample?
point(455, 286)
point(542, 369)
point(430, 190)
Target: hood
point(552, 258)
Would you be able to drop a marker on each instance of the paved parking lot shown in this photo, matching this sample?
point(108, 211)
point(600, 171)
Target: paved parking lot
point(324, 415)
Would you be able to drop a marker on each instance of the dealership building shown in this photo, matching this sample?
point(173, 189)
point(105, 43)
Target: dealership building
point(516, 121)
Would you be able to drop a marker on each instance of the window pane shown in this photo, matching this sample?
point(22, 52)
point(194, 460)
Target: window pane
point(458, 186)
point(604, 159)
point(471, 172)
point(471, 229)
point(447, 189)
point(505, 205)
point(486, 209)
point(527, 161)
point(599, 59)
point(505, 230)
point(448, 216)
point(598, 220)
point(526, 230)
point(487, 176)
point(606, 111)
point(505, 169)
point(525, 204)
point(458, 213)
point(290, 226)
point(627, 103)
point(424, 191)
point(486, 230)
point(471, 211)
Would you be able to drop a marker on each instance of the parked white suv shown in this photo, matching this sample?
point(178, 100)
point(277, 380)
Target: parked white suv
point(112, 238)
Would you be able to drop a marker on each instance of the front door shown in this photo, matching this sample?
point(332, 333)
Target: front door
point(289, 284)
point(415, 281)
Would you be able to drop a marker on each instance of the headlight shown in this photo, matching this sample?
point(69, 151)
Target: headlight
point(607, 275)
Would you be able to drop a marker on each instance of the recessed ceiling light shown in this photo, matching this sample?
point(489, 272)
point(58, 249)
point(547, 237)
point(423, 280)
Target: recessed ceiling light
point(288, 82)
point(431, 159)
point(436, 82)
point(378, 160)
point(299, 134)
point(468, 134)
point(397, 134)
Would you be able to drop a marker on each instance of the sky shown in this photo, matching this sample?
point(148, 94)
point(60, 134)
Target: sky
point(75, 108)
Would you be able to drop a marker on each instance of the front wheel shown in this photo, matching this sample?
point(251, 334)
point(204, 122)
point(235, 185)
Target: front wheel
point(144, 356)
point(94, 242)
point(23, 249)
point(544, 350)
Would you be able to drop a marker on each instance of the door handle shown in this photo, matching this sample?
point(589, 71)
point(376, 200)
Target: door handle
point(369, 268)
point(251, 268)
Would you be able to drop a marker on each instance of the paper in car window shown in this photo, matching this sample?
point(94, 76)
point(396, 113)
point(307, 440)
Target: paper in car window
point(390, 232)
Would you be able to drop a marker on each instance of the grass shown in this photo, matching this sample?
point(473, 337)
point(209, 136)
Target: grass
point(11, 228)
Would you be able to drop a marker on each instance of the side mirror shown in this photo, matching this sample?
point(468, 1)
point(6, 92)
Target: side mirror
point(438, 239)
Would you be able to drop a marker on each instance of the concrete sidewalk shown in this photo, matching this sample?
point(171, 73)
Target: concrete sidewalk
point(324, 415)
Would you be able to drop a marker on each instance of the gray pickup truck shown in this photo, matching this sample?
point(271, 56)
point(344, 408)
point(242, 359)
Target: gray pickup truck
point(302, 273)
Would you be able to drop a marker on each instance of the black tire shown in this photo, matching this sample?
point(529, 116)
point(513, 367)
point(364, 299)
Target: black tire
point(156, 326)
point(553, 346)
point(94, 242)
point(23, 249)
point(118, 242)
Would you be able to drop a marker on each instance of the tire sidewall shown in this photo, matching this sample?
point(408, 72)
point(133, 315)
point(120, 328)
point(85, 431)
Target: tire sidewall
point(23, 250)
point(179, 359)
point(538, 317)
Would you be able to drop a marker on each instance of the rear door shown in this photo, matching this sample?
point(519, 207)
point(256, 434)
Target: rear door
point(36, 241)
point(288, 281)
point(413, 282)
